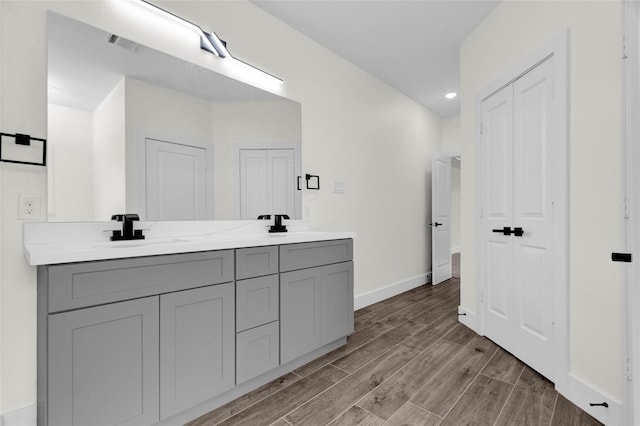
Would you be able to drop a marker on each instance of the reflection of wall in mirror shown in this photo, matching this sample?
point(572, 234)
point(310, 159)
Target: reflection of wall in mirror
point(87, 160)
point(135, 107)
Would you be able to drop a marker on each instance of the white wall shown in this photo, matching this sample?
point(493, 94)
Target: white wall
point(23, 100)
point(243, 124)
point(354, 128)
point(513, 31)
point(109, 152)
point(70, 154)
point(451, 135)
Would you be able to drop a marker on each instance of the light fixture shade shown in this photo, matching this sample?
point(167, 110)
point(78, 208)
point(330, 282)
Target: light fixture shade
point(451, 95)
point(212, 40)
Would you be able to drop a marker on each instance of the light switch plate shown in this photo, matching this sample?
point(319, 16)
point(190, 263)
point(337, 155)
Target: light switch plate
point(338, 187)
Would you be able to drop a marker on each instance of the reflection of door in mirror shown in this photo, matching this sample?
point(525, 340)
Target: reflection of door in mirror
point(176, 184)
point(267, 182)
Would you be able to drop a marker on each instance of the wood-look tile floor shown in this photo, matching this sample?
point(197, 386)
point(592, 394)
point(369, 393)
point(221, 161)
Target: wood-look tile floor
point(409, 362)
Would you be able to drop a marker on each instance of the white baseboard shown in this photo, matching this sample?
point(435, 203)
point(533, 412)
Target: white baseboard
point(455, 250)
point(583, 394)
point(22, 417)
point(366, 299)
point(469, 319)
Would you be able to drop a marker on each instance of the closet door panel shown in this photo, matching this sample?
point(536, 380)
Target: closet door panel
point(497, 149)
point(533, 210)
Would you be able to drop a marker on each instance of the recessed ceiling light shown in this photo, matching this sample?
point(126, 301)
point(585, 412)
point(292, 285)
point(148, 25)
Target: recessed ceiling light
point(450, 95)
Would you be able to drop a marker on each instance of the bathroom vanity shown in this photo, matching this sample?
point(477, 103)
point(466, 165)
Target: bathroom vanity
point(131, 338)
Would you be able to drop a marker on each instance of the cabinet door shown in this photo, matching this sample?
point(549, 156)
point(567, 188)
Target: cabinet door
point(337, 301)
point(103, 365)
point(197, 346)
point(257, 351)
point(300, 313)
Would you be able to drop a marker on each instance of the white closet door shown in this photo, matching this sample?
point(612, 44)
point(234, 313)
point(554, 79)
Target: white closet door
point(441, 220)
point(253, 183)
point(533, 210)
point(281, 181)
point(267, 182)
point(497, 149)
point(176, 184)
point(518, 195)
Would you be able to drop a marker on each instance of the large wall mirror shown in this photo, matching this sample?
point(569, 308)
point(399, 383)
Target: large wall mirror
point(134, 130)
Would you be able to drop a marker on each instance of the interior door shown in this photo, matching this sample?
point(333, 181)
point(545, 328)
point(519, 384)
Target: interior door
point(441, 220)
point(517, 217)
point(267, 182)
point(281, 181)
point(253, 183)
point(176, 184)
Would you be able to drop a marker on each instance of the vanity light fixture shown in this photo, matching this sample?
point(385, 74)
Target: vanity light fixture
point(208, 41)
point(211, 43)
point(451, 95)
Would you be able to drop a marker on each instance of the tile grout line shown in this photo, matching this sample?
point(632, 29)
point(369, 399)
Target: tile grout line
point(341, 369)
point(555, 406)
point(470, 384)
point(513, 388)
point(373, 414)
point(424, 409)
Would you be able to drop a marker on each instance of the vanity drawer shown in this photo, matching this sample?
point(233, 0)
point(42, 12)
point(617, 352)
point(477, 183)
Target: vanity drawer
point(78, 285)
point(256, 261)
point(257, 351)
point(257, 301)
point(309, 255)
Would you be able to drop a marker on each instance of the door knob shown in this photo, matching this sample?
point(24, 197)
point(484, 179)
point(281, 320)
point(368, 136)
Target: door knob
point(518, 232)
point(435, 224)
point(505, 231)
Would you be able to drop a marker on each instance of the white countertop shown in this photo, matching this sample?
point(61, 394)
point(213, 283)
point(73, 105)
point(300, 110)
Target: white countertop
point(52, 243)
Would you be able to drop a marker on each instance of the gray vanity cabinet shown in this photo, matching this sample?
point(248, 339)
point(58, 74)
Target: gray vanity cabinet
point(141, 341)
point(105, 353)
point(197, 341)
point(316, 303)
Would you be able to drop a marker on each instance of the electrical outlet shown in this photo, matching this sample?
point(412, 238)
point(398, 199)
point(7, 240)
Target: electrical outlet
point(29, 207)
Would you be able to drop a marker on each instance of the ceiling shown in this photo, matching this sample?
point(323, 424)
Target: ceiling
point(411, 45)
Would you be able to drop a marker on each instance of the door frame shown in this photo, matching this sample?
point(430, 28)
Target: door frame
point(267, 145)
point(141, 169)
point(558, 48)
point(630, 178)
